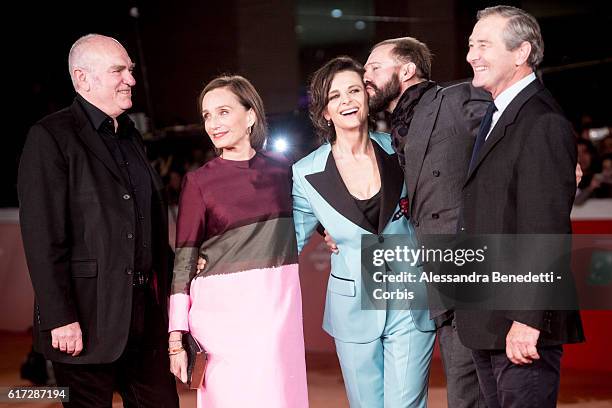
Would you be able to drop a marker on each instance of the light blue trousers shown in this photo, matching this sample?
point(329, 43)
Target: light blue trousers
point(391, 371)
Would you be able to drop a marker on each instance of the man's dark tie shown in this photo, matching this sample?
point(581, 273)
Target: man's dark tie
point(485, 126)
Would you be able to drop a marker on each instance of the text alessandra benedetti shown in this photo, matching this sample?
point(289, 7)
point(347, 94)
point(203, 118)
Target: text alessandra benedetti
point(494, 277)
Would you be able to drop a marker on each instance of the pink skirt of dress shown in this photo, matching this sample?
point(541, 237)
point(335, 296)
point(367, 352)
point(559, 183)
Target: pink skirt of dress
point(250, 324)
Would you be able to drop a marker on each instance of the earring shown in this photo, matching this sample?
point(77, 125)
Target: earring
point(329, 123)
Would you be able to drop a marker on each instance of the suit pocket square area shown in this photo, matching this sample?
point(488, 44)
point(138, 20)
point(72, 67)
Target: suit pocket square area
point(341, 286)
point(196, 361)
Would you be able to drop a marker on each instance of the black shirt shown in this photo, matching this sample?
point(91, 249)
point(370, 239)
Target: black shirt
point(370, 207)
point(402, 116)
point(123, 146)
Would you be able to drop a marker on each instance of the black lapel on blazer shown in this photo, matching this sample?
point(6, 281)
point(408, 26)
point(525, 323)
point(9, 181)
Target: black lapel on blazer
point(418, 138)
point(506, 119)
point(391, 181)
point(330, 186)
point(93, 141)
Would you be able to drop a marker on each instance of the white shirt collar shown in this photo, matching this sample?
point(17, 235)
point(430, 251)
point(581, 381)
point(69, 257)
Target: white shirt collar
point(503, 99)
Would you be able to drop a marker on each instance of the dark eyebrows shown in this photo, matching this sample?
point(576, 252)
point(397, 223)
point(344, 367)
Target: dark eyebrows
point(350, 87)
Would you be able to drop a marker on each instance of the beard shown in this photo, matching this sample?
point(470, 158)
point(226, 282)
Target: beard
point(384, 95)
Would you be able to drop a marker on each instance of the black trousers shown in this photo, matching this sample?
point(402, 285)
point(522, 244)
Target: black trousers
point(505, 384)
point(462, 387)
point(141, 375)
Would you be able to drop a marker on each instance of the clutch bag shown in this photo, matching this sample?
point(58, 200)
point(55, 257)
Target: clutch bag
point(196, 361)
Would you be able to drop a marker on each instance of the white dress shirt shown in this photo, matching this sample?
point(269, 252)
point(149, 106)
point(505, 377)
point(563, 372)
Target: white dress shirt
point(503, 99)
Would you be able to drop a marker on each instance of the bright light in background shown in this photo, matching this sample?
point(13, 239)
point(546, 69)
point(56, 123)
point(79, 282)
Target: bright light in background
point(360, 24)
point(336, 13)
point(280, 144)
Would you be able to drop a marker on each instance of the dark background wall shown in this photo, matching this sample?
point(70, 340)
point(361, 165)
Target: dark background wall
point(277, 44)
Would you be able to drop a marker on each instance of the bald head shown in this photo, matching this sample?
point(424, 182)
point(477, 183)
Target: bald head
point(85, 51)
point(101, 72)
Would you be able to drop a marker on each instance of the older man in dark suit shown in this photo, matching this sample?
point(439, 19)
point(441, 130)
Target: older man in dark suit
point(433, 130)
point(95, 234)
point(521, 180)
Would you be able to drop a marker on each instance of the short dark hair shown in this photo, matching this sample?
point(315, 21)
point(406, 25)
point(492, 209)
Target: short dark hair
point(249, 98)
point(521, 26)
point(319, 90)
point(409, 49)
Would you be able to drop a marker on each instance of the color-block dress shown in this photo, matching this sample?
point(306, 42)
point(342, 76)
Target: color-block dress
point(245, 308)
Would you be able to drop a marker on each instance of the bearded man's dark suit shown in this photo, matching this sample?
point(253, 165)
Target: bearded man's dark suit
point(436, 132)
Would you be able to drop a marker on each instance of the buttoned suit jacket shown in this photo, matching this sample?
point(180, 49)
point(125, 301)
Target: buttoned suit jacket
point(78, 222)
point(523, 182)
point(437, 152)
point(319, 196)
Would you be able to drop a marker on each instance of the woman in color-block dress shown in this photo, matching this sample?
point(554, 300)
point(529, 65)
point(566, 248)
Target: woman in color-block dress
point(245, 307)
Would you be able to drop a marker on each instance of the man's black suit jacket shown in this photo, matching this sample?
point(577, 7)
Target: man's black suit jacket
point(77, 219)
point(523, 183)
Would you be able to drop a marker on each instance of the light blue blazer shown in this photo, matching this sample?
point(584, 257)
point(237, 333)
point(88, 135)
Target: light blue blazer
point(320, 196)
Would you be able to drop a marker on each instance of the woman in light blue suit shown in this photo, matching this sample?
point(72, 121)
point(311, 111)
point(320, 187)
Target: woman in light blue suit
point(352, 185)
